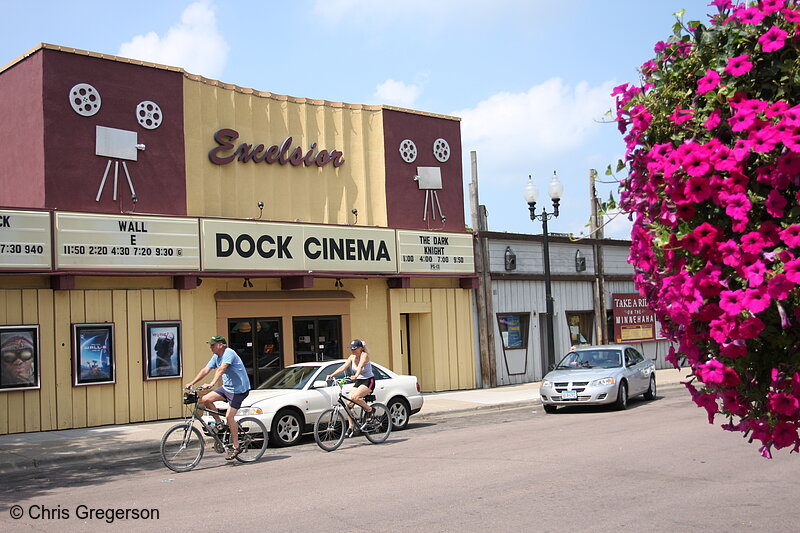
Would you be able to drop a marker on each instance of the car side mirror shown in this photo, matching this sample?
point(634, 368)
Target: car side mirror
point(320, 384)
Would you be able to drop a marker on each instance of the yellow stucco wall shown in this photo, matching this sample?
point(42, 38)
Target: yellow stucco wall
point(310, 194)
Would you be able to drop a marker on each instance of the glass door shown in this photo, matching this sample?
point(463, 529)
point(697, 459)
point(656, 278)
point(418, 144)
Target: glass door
point(258, 342)
point(317, 338)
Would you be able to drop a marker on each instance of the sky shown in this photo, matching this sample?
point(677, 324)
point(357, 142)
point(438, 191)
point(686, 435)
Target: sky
point(530, 80)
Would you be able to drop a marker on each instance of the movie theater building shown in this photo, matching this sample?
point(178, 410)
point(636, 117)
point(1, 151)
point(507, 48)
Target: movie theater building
point(144, 209)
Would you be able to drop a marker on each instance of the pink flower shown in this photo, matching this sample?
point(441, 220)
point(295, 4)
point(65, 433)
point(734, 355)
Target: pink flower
point(738, 206)
point(731, 302)
point(681, 115)
point(750, 15)
point(792, 270)
point(784, 434)
point(731, 254)
point(708, 82)
point(742, 120)
point(791, 236)
point(773, 40)
point(783, 404)
point(751, 328)
point(791, 15)
point(713, 120)
point(779, 286)
point(775, 203)
point(756, 300)
point(739, 65)
point(711, 372)
point(769, 7)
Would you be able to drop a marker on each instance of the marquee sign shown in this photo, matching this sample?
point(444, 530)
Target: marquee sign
point(25, 240)
point(126, 242)
point(248, 245)
point(431, 252)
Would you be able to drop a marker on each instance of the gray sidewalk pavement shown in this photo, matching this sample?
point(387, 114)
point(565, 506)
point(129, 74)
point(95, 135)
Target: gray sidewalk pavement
point(28, 451)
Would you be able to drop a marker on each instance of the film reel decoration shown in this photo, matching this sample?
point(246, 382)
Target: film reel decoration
point(149, 115)
point(408, 151)
point(441, 150)
point(84, 99)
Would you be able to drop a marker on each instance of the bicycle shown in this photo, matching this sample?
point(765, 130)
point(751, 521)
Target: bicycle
point(182, 446)
point(330, 427)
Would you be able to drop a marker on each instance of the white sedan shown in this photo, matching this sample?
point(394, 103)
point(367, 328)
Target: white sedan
point(290, 402)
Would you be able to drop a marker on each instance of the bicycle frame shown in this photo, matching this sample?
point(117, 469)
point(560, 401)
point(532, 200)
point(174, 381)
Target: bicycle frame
point(343, 400)
point(197, 411)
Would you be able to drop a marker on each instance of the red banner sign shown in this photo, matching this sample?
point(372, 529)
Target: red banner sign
point(633, 320)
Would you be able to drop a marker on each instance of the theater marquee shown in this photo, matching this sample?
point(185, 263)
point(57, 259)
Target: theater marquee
point(246, 245)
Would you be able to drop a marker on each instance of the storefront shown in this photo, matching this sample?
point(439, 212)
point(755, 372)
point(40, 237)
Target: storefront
point(145, 209)
point(516, 310)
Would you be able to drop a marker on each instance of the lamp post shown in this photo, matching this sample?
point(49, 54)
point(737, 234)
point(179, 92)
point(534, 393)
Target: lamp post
point(555, 189)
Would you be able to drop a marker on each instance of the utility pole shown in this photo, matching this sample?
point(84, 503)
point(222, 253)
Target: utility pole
point(484, 291)
point(596, 227)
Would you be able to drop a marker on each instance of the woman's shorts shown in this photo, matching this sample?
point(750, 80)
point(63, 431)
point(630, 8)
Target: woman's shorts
point(369, 382)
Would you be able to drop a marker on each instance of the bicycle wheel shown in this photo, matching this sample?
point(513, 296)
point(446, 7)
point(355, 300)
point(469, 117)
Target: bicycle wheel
point(329, 429)
point(379, 427)
point(252, 439)
point(182, 447)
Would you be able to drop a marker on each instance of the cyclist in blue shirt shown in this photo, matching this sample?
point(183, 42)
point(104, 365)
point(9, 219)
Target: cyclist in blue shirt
point(235, 386)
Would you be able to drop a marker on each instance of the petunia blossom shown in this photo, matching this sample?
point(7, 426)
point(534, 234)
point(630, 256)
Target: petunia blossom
point(708, 82)
point(739, 65)
point(774, 39)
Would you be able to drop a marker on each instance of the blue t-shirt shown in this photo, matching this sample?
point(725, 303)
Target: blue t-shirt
point(234, 379)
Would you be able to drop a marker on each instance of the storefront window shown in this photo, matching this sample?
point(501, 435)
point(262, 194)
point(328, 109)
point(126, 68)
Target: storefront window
point(580, 324)
point(514, 330)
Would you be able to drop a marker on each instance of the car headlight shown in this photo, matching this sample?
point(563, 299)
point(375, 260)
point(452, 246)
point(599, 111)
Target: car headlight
point(249, 411)
point(604, 381)
point(546, 383)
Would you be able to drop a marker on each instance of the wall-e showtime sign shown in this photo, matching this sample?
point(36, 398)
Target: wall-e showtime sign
point(116, 144)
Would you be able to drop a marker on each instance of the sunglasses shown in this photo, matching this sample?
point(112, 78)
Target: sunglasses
point(22, 355)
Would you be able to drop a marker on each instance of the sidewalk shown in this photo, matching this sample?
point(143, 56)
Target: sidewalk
point(28, 451)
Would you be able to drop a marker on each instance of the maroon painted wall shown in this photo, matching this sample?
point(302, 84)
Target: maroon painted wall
point(21, 135)
point(405, 201)
point(73, 172)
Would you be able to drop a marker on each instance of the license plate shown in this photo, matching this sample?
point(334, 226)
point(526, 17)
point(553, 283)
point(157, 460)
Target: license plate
point(569, 395)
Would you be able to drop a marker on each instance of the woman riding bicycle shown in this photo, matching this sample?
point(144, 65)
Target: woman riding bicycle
point(362, 375)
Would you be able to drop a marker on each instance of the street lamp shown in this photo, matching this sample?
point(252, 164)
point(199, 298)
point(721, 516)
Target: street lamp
point(556, 189)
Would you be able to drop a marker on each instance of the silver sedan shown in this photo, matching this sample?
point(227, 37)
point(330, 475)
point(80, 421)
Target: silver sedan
point(596, 375)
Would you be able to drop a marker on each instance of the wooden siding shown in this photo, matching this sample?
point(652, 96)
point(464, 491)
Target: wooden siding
point(59, 405)
point(440, 336)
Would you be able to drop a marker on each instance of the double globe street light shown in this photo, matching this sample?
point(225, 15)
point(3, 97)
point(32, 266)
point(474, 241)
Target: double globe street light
point(556, 190)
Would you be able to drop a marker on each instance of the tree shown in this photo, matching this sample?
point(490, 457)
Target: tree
point(713, 184)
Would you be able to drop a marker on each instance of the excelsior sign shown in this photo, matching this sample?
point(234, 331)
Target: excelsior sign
point(244, 245)
point(24, 240)
point(225, 152)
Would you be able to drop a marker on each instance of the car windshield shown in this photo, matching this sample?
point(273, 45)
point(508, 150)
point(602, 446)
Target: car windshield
point(591, 359)
point(294, 377)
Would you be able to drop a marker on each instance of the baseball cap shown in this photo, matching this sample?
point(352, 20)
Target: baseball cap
point(356, 343)
point(217, 339)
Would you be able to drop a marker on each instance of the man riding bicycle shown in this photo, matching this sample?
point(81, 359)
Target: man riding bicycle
point(362, 375)
point(235, 387)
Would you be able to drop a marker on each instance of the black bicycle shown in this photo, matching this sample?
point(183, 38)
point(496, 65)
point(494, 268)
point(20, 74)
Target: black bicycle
point(331, 427)
point(182, 446)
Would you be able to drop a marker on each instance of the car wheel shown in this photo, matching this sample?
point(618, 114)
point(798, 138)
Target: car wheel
point(287, 428)
point(650, 394)
point(549, 408)
point(622, 397)
point(399, 412)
